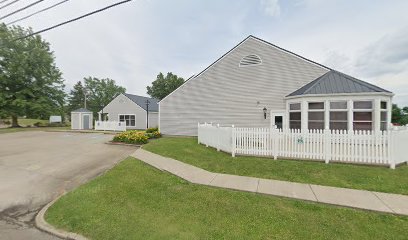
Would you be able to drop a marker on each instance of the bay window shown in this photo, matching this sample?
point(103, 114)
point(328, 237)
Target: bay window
point(295, 116)
point(363, 115)
point(383, 116)
point(338, 115)
point(316, 115)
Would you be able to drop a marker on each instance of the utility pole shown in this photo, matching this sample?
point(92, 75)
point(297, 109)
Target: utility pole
point(147, 110)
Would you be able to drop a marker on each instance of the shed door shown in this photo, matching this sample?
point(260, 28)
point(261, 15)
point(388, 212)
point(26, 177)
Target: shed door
point(85, 121)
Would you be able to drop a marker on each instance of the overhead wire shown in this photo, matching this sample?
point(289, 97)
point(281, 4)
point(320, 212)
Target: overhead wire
point(21, 9)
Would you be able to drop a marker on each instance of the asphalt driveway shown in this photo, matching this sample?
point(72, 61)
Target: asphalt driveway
point(35, 167)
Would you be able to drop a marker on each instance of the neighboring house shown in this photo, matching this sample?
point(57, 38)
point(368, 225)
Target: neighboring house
point(257, 84)
point(131, 109)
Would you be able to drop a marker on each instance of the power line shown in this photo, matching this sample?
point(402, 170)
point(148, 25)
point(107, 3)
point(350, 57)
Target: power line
point(21, 9)
point(74, 19)
point(3, 1)
point(8, 4)
point(35, 13)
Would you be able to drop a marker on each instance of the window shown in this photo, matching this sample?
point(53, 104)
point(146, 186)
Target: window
point(338, 115)
point(362, 115)
point(383, 116)
point(129, 119)
point(295, 116)
point(250, 60)
point(316, 115)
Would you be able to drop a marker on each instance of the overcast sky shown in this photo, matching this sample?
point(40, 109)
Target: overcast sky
point(132, 43)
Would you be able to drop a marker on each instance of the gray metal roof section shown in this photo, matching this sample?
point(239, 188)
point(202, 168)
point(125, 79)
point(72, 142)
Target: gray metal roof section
point(82, 110)
point(334, 82)
point(141, 101)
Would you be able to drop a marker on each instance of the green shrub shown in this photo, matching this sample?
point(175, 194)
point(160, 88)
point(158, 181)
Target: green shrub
point(155, 134)
point(132, 137)
point(40, 124)
point(152, 130)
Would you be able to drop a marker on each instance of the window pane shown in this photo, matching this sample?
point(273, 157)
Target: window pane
point(338, 125)
point(316, 116)
point(315, 125)
point(383, 126)
point(362, 116)
point(294, 106)
point(362, 105)
point(362, 126)
point(383, 105)
point(338, 105)
point(383, 116)
point(316, 105)
point(338, 116)
point(121, 118)
point(132, 123)
point(294, 124)
point(295, 116)
point(132, 117)
point(127, 122)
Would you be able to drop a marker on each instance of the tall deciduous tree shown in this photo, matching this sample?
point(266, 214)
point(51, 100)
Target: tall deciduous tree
point(399, 115)
point(30, 83)
point(163, 86)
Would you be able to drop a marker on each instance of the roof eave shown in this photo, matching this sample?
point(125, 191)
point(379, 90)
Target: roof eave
point(390, 94)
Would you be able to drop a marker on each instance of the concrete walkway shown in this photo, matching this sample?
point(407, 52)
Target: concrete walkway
point(374, 201)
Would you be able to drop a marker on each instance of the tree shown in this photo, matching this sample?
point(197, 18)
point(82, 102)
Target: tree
point(163, 86)
point(76, 97)
point(30, 83)
point(399, 115)
point(100, 92)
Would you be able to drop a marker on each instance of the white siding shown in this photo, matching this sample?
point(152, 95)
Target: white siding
point(228, 94)
point(123, 105)
point(153, 119)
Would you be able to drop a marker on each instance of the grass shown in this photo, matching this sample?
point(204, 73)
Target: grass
point(380, 179)
point(28, 121)
point(22, 129)
point(135, 201)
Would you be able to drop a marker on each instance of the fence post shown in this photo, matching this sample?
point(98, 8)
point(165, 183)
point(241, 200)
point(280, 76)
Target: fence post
point(218, 138)
point(274, 138)
point(234, 141)
point(391, 149)
point(327, 146)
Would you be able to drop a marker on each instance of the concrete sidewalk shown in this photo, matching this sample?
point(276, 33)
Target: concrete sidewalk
point(374, 201)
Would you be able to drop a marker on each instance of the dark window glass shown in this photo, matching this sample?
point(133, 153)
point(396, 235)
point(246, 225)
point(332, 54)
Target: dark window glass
point(362, 105)
point(338, 125)
point(383, 126)
point(362, 116)
point(295, 116)
point(122, 118)
point(316, 105)
point(315, 125)
point(338, 105)
point(316, 116)
point(294, 106)
point(383, 116)
point(383, 105)
point(362, 126)
point(338, 116)
point(294, 124)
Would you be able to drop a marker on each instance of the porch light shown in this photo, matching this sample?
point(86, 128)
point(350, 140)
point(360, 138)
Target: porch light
point(264, 112)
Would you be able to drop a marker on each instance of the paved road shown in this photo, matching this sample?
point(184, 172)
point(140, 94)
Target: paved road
point(35, 167)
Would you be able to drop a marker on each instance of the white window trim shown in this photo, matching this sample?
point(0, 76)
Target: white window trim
point(127, 114)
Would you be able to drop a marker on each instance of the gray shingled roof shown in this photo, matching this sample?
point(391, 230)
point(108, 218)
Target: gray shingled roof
point(141, 101)
point(82, 110)
point(334, 82)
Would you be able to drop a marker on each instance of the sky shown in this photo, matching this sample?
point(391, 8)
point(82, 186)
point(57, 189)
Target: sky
point(133, 42)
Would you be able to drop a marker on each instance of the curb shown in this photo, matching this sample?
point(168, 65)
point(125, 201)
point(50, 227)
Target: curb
point(41, 224)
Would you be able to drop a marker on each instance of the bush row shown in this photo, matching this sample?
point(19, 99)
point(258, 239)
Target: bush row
point(136, 137)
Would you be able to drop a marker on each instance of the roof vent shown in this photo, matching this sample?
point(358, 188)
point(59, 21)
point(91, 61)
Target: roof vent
point(250, 60)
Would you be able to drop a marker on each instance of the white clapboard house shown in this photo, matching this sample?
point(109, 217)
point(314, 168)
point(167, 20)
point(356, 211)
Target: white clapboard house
point(258, 84)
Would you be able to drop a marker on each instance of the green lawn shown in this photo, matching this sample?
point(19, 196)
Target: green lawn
point(136, 201)
point(28, 121)
point(380, 179)
point(12, 130)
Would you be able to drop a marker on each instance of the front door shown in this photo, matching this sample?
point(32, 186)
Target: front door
point(85, 121)
point(277, 120)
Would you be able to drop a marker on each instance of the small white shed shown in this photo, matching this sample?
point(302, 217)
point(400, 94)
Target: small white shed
point(81, 119)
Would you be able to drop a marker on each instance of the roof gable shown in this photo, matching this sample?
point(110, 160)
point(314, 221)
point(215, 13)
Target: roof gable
point(141, 102)
point(250, 37)
point(334, 82)
point(81, 110)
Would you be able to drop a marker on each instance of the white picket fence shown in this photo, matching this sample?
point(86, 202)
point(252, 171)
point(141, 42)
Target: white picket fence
point(110, 126)
point(383, 148)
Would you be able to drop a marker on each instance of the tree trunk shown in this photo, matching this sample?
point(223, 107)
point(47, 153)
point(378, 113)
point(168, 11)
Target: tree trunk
point(14, 121)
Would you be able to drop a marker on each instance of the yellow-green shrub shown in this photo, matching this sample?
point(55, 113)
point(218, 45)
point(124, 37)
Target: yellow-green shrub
point(132, 137)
